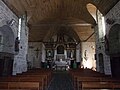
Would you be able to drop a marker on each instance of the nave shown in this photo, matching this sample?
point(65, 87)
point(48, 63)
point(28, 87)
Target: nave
point(47, 79)
point(37, 36)
point(61, 81)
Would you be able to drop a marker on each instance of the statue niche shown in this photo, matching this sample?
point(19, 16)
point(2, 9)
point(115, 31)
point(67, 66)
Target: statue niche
point(60, 49)
point(17, 44)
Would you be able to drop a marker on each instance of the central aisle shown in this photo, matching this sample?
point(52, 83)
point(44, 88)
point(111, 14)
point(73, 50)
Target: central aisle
point(61, 81)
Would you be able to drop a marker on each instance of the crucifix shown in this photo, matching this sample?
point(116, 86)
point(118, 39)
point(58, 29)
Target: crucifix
point(37, 52)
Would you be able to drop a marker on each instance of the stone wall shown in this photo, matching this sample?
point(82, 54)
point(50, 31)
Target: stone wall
point(6, 15)
point(101, 66)
point(114, 34)
point(113, 14)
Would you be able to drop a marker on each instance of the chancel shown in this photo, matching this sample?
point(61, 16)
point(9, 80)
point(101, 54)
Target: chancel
point(59, 44)
point(60, 49)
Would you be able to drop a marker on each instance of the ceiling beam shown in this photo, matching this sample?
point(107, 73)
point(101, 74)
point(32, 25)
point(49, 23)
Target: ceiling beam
point(63, 24)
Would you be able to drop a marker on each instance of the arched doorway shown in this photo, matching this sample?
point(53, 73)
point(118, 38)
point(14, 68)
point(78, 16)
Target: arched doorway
point(114, 40)
point(114, 49)
point(6, 50)
point(7, 39)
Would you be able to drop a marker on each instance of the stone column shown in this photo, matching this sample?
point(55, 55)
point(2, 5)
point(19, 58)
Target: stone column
point(43, 53)
point(20, 62)
point(55, 53)
point(65, 54)
point(100, 47)
point(78, 55)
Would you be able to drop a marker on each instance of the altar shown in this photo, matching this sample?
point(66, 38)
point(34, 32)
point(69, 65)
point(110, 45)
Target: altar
point(60, 57)
point(61, 53)
point(61, 65)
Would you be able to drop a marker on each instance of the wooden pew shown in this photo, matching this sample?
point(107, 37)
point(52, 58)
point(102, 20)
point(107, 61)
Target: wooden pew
point(25, 79)
point(40, 76)
point(39, 72)
point(3, 85)
point(46, 78)
point(81, 76)
point(95, 85)
point(94, 79)
point(15, 89)
point(31, 76)
point(25, 85)
point(46, 73)
point(82, 79)
point(20, 85)
point(99, 85)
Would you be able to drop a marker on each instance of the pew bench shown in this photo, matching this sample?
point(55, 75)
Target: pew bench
point(34, 77)
point(47, 78)
point(24, 79)
point(20, 85)
point(94, 79)
point(97, 85)
point(82, 79)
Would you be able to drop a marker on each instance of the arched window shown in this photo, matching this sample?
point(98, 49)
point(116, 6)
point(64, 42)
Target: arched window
point(19, 27)
point(92, 10)
point(99, 18)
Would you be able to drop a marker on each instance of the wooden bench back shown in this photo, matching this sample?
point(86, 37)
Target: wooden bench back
point(21, 85)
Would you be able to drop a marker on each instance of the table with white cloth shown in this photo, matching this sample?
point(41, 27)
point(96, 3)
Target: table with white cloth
point(61, 65)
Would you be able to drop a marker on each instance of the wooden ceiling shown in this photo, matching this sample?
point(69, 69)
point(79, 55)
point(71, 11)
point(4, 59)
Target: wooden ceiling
point(47, 16)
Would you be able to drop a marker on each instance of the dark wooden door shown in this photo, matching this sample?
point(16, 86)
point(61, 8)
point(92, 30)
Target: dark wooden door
point(6, 64)
point(115, 66)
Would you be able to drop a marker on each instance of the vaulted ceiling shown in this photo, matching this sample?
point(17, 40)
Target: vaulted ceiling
point(45, 17)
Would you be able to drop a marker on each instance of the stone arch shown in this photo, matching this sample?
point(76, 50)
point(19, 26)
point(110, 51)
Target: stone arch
point(7, 39)
point(92, 10)
point(114, 39)
point(114, 49)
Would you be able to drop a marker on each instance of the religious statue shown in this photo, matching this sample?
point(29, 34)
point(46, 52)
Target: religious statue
point(17, 44)
point(85, 55)
point(106, 45)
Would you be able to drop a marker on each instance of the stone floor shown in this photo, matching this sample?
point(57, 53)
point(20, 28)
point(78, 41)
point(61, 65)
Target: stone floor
point(61, 81)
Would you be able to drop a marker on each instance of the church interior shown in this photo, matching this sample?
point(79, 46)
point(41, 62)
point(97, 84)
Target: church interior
point(59, 44)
